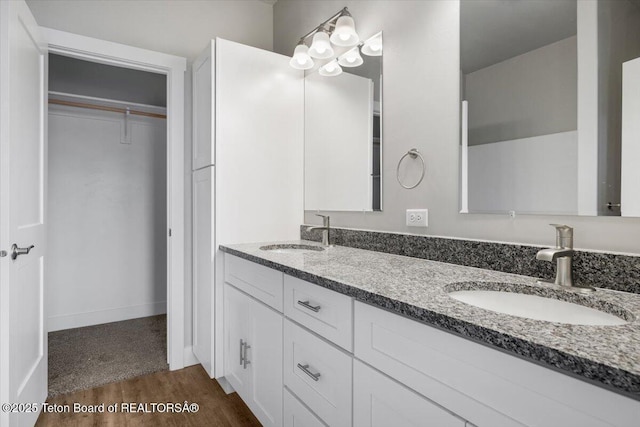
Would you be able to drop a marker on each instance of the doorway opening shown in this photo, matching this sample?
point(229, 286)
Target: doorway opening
point(106, 274)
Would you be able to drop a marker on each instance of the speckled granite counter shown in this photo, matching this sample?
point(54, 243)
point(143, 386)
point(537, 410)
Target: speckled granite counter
point(608, 356)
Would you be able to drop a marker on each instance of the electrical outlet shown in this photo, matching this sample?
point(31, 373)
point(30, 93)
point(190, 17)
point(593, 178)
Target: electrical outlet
point(417, 217)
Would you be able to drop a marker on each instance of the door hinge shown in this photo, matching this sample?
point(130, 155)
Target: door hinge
point(169, 232)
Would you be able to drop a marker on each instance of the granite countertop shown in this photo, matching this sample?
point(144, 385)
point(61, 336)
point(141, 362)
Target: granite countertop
point(608, 356)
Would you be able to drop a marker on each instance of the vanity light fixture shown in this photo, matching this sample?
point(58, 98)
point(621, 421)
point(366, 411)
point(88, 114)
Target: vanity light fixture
point(330, 69)
point(373, 46)
point(351, 58)
point(339, 30)
point(320, 46)
point(301, 59)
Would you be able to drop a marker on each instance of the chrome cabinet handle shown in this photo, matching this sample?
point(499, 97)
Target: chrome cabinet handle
point(246, 360)
point(16, 251)
point(305, 369)
point(241, 352)
point(305, 304)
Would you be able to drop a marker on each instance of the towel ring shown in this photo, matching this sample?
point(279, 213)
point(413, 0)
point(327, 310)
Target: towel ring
point(413, 153)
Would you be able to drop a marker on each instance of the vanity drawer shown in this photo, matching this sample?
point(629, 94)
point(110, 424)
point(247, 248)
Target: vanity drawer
point(298, 415)
point(325, 312)
point(262, 283)
point(327, 394)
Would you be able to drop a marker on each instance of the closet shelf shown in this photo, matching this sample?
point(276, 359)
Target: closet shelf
point(102, 104)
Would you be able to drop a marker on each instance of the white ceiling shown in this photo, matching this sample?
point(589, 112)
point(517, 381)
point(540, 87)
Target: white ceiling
point(492, 31)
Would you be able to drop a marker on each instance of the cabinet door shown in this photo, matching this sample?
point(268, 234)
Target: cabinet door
point(203, 108)
point(265, 368)
point(203, 239)
point(236, 316)
point(379, 401)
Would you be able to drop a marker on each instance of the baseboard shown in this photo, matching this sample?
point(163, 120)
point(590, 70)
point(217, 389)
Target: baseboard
point(78, 320)
point(225, 385)
point(189, 358)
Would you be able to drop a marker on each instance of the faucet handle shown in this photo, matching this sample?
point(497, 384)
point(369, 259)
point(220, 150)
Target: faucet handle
point(564, 236)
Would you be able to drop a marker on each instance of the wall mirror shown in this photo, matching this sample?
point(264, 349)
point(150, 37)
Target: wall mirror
point(550, 107)
point(343, 129)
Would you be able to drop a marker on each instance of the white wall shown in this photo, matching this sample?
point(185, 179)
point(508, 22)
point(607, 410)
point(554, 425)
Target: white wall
point(421, 109)
point(178, 27)
point(72, 75)
point(107, 218)
point(505, 176)
point(528, 95)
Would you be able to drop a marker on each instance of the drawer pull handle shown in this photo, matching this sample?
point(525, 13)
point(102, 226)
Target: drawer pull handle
point(305, 369)
point(241, 352)
point(305, 304)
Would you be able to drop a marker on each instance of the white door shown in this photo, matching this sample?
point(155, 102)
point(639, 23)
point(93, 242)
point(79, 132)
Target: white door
point(236, 318)
point(23, 354)
point(265, 356)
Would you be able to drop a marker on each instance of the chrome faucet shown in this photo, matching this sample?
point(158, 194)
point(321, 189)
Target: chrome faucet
point(563, 255)
point(326, 229)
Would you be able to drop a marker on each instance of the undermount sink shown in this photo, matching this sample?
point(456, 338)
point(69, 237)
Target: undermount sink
point(292, 248)
point(536, 307)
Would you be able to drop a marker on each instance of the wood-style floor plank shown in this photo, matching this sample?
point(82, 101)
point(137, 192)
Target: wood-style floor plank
point(192, 384)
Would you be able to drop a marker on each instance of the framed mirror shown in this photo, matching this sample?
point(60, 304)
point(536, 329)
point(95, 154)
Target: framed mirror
point(550, 106)
point(343, 134)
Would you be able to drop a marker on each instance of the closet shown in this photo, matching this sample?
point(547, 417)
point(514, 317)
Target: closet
point(107, 203)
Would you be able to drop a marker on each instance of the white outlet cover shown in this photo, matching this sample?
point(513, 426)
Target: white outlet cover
point(417, 217)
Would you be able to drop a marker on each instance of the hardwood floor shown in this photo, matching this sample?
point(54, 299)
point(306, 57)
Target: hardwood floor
point(191, 384)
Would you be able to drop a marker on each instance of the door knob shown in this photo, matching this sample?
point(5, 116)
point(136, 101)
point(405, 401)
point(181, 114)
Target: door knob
point(16, 251)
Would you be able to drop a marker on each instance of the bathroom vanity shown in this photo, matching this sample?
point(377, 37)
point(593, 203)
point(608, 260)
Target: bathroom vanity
point(343, 336)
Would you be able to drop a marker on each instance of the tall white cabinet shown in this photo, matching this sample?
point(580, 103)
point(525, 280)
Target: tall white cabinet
point(247, 170)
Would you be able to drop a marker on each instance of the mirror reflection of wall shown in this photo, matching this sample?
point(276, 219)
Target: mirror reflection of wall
point(543, 88)
point(343, 138)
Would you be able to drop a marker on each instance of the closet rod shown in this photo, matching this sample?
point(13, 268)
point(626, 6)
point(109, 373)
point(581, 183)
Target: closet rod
point(104, 108)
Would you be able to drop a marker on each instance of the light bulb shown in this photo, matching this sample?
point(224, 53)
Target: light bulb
point(330, 69)
point(320, 46)
point(301, 59)
point(373, 46)
point(351, 58)
point(344, 33)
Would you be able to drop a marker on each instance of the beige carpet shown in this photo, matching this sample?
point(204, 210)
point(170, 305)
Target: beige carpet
point(88, 357)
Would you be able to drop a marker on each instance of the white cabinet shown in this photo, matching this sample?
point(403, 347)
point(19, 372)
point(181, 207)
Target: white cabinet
point(379, 401)
point(291, 371)
point(482, 385)
point(241, 98)
point(253, 349)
